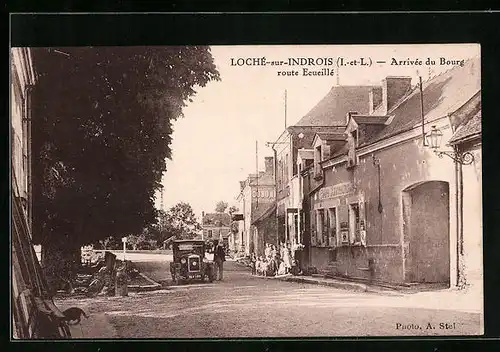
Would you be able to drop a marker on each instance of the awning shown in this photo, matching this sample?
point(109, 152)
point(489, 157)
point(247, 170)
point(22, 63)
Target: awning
point(266, 212)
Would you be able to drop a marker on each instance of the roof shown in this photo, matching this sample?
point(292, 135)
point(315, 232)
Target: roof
point(367, 120)
point(194, 240)
point(217, 219)
point(470, 128)
point(263, 211)
point(442, 95)
point(325, 136)
point(341, 151)
point(309, 132)
point(332, 109)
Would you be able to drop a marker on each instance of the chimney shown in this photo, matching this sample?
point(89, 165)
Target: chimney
point(375, 98)
point(393, 89)
point(269, 161)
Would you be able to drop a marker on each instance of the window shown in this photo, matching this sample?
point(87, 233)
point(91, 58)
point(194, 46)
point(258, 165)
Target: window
point(355, 222)
point(351, 154)
point(326, 228)
point(313, 228)
point(354, 135)
point(296, 224)
point(332, 212)
point(317, 157)
point(320, 224)
point(323, 227)
point(280, 173)
point(209, 233)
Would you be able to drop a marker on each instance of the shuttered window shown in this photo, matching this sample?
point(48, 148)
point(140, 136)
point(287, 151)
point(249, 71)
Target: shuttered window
point(313, 228)
point(332, 214)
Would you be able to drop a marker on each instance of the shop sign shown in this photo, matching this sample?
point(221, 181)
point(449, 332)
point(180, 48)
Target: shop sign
point(336, 191)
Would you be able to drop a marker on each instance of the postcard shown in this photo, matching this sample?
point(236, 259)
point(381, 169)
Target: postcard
point(246, 191)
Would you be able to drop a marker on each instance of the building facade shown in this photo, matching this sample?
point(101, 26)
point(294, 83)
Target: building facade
point(381, 204)
point(216, 226)
point(257, 193)
point(466, 123)
point(33, 311)
point(328, 116)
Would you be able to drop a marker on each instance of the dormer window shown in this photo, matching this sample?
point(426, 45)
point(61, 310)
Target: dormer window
point(354, 135)
point(351, 154)
point(317, 160)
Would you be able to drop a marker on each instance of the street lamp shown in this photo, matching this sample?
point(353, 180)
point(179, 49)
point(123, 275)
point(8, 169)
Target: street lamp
point(433, 139)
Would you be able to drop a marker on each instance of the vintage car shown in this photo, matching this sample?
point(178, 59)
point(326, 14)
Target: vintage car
point(189, 262)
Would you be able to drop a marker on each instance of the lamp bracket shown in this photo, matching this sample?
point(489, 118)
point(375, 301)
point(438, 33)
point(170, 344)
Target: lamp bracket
point(465, 158)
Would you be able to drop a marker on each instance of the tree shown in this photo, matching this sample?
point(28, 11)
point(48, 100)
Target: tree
point(232, 210)
point(181, 221)
point(134, 240)
point(101, 136)
point(221, 206)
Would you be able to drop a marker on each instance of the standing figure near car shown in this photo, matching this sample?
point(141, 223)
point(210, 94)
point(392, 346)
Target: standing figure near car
point(219, 259)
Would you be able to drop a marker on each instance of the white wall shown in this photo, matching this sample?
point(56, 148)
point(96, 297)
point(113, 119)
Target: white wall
point(472, 220)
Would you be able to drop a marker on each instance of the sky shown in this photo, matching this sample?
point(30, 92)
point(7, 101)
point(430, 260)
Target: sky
point(214, 145)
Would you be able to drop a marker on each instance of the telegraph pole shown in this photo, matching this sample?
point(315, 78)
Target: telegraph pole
point(257, 170)
point(285, 106)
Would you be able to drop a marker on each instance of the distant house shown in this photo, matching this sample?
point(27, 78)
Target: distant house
point(257, 194)
point(215, 225)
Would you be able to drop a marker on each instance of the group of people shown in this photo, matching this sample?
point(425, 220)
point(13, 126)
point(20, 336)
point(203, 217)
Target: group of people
point(275, 262)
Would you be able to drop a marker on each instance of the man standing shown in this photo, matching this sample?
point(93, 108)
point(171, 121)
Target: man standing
point(219, 259)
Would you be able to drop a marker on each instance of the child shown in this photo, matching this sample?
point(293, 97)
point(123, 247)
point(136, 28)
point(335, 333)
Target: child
point(254, 264)
point(264, 267)
point(258, 265)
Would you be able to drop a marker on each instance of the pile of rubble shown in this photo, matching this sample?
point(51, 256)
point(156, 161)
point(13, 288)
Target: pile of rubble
point(103, 274)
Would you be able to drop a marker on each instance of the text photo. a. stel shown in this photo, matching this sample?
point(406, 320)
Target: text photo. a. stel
point(267, 191)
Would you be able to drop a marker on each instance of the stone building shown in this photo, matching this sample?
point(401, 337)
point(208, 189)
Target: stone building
point(328, 116)
point(33, 310)
point(466, 122)
point(257, 193)
point(215, 226)
point(379, 202)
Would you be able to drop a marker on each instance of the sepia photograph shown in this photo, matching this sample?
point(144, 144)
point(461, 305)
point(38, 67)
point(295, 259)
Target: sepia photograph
point(246, 191)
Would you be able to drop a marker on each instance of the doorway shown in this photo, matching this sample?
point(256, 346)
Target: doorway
point(426, 232)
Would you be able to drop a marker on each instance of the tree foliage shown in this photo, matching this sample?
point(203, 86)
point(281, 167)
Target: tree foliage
point(232, 209)
point(101, 132)
point(221, 206)
point(180, 222)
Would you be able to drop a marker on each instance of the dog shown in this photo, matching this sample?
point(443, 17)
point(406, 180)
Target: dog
point(73, 315)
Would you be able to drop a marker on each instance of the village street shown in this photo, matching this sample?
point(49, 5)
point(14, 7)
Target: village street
point(246, 306)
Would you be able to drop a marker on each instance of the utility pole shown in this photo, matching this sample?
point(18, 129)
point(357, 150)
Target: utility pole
point(285, 106)
point(422, 111)
point(257, 171)
point(338, 76)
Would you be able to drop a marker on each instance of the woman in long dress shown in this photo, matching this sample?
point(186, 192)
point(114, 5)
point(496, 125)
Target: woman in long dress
point(267, 252)
point(287, 260)
point(281, 269)
point(275, 259)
